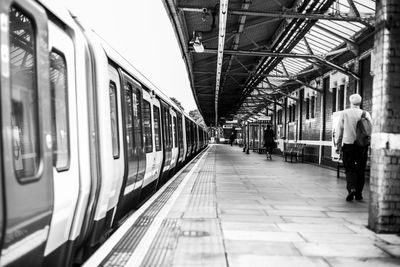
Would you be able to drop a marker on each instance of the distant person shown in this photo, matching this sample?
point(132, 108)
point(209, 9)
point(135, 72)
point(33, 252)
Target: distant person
point(269, 142)
point(354, 153)
point(232, 138)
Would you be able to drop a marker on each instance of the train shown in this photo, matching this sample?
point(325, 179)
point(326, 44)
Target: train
point(85, 137)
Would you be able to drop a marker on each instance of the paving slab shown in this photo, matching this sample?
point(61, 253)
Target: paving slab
point(241, 210)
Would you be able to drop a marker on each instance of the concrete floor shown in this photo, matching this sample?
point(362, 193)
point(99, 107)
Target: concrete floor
point(244, 210)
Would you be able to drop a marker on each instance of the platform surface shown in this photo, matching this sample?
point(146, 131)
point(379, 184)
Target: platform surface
point(233, 209)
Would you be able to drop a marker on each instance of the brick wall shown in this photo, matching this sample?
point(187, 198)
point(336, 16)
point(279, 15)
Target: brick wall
point(384, 209)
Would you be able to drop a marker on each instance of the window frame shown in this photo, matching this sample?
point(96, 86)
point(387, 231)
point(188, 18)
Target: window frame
point(111, 82)
point(20, 175)
point(157, 131)
point(150, 139)
point(67, 166)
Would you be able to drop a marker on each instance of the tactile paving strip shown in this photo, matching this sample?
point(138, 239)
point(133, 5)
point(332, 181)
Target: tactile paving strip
point(121, 253)
point(181, 241)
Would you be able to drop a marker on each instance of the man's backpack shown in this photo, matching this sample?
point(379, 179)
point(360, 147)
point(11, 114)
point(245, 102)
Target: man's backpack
point(363, 131)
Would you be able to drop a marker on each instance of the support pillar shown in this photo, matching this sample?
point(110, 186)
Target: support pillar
point(384, 208)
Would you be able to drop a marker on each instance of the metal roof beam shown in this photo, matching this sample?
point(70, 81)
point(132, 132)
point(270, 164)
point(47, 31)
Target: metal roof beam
point(286, 15)
point(336, 35)
point(223, 8)
point(353, 9)
point(243, 74)
point(283, 55)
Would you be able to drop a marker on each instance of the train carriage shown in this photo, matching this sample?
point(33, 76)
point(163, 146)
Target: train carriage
point(83, 150)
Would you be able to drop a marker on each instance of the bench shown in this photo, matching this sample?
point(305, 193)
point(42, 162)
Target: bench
point(294, 150)
point(288, 150)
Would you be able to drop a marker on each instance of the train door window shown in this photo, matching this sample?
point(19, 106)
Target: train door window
point(59, 108)
point(137, 109)
point(114, 119)
point(169, 129)
point(175, 132)
point(148, 137)
point(157, 129)
point(24, 95)
point(165, 127)
point(180, 133)
point(130, 139)
point(187, 131)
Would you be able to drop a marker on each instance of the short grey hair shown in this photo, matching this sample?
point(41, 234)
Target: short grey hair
point(355, 99)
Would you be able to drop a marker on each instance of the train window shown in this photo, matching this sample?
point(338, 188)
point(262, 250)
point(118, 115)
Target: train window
point(175, 132)
point(169, 123)
point(157, 129)
point(187, 131)
point(24, 95)
point(148, 137)
point(114, 119)
point(130, 137)
point(180, 132)
point(59, 111)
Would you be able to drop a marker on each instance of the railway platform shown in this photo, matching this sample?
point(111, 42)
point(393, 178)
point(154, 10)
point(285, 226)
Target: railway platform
point(227, 208)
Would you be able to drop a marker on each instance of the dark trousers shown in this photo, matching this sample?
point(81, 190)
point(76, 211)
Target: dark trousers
point(354, 160)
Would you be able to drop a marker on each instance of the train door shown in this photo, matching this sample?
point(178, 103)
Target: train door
point(166, 140)
point(26, 133)
point(180, 138)
point(152, 170)
point(133, 144)
point(65, 143)
point(157, 133)
point(174, 139)
point(188, 141)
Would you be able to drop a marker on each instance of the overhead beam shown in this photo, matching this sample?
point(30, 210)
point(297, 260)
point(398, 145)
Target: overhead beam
point(244, 74)
point(284, 15)
point(336, 35)
point(223, 9)
point(285, 55)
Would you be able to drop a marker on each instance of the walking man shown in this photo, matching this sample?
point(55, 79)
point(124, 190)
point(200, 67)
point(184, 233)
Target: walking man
point(232, 138)
point(354, 155)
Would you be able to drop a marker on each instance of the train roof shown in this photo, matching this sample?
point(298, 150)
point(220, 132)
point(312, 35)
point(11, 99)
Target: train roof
point(63, 14)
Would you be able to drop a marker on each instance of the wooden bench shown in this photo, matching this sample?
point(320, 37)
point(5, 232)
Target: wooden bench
point(298, 152)
point(294, 150)
point(288, 150)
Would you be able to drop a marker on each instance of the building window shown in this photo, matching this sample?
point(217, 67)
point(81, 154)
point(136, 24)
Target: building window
point(334, 99)
point(114, 119)
point(312, 107)
point(280, 116)
point(59, 111)
point(294, 112)
point(157, 129)
point(290, 113)
point(341, 97)
point(24, 96)
point(148, 137)
point(307, 108)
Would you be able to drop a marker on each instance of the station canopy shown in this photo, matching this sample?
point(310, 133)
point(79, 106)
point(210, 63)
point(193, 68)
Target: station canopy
point(242, 56)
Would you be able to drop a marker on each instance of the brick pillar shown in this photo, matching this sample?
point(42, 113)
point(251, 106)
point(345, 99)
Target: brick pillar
point(384, 208)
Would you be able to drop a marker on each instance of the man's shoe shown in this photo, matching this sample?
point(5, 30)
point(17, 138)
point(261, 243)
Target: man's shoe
point(359, 197)
point(350, 196)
